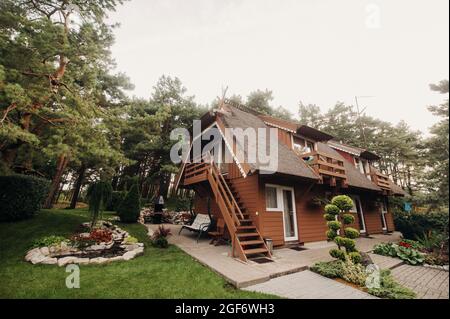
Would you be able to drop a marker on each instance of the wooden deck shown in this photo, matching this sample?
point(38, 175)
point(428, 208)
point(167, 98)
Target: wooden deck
point(326, 166)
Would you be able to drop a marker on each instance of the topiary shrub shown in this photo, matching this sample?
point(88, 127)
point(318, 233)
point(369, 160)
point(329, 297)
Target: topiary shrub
point(343, 202)
point(351, 233)
point(348, 219)
point(334, 225)
point(130, 209)
point(329, 217)
point(339, 209)
point(21, 196)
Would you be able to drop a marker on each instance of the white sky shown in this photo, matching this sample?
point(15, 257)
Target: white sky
point(316, 51)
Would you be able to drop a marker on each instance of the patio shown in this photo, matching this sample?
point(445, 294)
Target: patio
point(285, 260)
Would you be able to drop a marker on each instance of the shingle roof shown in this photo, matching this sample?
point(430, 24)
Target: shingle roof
point(288, 162)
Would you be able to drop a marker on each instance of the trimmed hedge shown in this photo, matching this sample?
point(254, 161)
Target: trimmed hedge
point(21, 196)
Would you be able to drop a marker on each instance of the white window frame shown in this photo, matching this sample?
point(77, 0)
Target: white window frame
point(358, 202)
point(279, 199)
point(280, 208)
point(384, 211)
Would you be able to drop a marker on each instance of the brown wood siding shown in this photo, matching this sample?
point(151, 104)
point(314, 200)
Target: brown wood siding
point(233, 171)
point(372, 215)
point(201, 206)
point(347, 156)
point(390, 221)
point(285, 137)
point(247, 188)
point(273, 227)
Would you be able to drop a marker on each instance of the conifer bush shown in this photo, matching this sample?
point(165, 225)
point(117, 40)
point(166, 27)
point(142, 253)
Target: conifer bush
point(337, 217)
point(130, 207)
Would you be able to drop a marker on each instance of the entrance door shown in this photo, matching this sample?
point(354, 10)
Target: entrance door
point(289, 215)
point(383, 214)
point(357, 208)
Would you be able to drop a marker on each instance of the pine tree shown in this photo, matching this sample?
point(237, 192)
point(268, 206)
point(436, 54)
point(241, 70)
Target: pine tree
point(130, 207)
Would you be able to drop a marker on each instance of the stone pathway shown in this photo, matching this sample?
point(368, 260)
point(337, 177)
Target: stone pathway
point(428, 283)
point(308, 285)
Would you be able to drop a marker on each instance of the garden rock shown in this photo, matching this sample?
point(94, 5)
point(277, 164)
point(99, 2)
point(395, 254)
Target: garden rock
point(116, 250)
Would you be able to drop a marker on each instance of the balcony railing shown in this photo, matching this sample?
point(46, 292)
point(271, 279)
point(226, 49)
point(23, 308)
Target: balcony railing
point(195, 173)
point(326, 165)
point(381, 180)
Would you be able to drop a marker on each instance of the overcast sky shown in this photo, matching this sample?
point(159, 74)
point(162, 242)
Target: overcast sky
point(314, 51)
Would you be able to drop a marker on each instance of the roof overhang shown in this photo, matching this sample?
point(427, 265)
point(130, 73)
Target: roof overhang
point(369, 156)
point(308, 131)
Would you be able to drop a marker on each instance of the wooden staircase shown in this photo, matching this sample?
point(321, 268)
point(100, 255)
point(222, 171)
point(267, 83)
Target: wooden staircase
point(247, 242)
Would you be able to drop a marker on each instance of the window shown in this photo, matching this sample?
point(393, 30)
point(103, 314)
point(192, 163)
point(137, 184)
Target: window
point(271, 198)
point(301, 145)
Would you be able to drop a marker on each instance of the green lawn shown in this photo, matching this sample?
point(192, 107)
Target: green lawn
point(159, 273)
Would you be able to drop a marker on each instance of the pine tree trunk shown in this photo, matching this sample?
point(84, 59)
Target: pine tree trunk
point(77, 188)
point(63, 160)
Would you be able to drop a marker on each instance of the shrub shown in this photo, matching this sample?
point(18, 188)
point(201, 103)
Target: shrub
point(348, 219)
point(390, 289)
point(48, 241)
point(160, 242)
point(344, 202)
point(329, 217)
point(116, 199)
point(130, 209)
point(98, 194)
point(332, 209)
point(331, 234)
point(159, 238)
point(334, 225)
point(351, 233)
point(355, 257)
point(21, 196)
point(101, 235)
point(354, 273)
point(414, 244)
point(413, 225)
point(337, 253)
point(331, 269)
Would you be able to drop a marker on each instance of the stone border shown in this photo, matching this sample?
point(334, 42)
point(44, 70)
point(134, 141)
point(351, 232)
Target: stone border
point(49, 255)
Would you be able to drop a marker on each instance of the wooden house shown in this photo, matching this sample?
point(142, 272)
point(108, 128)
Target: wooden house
point(286, 205)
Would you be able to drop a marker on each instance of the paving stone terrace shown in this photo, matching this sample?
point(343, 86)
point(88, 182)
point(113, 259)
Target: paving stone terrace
point(240, 274)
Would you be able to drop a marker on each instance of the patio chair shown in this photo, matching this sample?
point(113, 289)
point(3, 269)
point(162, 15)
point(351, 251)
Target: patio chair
point(201, 224)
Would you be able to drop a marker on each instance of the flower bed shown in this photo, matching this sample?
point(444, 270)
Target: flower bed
point(413, 253)
point(105, 243)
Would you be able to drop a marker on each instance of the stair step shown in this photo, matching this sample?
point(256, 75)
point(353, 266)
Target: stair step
point(246, 227)
point(251, 242)
point(247, 234)
point(255, 251)
point(246, 220)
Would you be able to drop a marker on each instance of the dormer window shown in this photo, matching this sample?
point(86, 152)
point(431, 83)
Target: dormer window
point(302, 146)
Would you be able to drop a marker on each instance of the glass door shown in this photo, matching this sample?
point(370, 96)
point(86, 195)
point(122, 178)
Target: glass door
point(383, 214)
point(289, 215)
point(357, 208)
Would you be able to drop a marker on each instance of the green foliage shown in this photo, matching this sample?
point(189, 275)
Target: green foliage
point(332, 209)
point(329, 217)
point(332, 269)
point(343, 202)
point(21, 196)
point(179, 203)
point(130, 208)
point(390, 289)
point(409, 255)
point(414, 244)
point(413, 225)
point(98, 194)
point(351, 232)
point(348, 219)
point(355, 257)
point(160, 242)
point(337, 253)
point(432, 241)
point(331, 234)
point(354, 273)
point(116, 199)
point(131, 240)
point(48, 241)
point(334, 225)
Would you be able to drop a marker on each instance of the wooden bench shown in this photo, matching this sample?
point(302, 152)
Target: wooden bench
point(201, 225)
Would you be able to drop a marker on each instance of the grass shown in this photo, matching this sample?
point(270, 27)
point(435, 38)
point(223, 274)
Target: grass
point(159, 273)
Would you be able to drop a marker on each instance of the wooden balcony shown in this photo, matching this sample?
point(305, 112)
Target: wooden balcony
point(381, 180)
point(328, 166)
point(195, 173)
